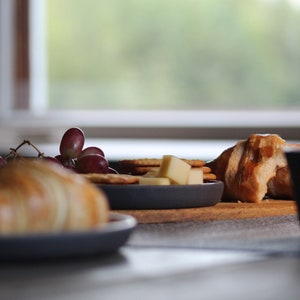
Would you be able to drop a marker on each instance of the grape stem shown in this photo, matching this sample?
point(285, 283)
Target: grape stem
point(14, 151)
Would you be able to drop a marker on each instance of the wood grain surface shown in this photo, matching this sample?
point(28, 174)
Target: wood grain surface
point(221, 211)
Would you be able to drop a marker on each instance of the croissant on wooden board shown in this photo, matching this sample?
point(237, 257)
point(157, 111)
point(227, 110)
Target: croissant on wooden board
point(38, 197)
point(254, 168)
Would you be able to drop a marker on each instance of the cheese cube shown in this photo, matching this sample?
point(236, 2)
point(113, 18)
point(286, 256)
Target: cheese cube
point(152, 172)
point(175, 169)
point(154, 181)
point(195, 176)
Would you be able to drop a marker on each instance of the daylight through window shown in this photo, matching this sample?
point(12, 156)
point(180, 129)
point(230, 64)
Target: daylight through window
point(173, 54)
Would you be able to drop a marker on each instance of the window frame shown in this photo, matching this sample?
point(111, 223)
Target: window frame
point(32, 119)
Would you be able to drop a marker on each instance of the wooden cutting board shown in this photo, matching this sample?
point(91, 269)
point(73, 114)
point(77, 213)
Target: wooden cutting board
point(221, 211)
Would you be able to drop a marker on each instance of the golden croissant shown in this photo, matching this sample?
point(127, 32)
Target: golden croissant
point(38, 196)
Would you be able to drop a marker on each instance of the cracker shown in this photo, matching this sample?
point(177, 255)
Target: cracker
point(111, 178)
point(205, 169)
point(209, 176)
point(137, 170)
point(194, 163)
point(140, 162)
point(132, 164)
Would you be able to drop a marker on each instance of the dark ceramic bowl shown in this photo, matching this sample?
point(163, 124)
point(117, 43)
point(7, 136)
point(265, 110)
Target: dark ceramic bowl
point(293, 158)
point(135, 196)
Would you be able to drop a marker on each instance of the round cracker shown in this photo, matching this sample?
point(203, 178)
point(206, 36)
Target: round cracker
point(155, 162)
point(111, 178)
point(140, 162)
point(209, 176)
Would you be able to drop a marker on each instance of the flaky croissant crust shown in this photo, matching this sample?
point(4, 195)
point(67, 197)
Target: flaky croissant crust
point(38, 196)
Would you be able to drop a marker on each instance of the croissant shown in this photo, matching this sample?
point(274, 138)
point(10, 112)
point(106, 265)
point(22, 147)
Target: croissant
point(38, 197)
point(253, 169)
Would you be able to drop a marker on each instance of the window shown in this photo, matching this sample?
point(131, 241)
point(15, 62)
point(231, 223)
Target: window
point(173, 54)
point(172, 69)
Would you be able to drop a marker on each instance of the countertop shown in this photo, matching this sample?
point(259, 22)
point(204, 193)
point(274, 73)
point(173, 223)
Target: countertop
point(254, 258)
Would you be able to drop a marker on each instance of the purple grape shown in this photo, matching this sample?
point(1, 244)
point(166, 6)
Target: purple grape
point(92, 163)
point(68, 163)
point(72, 143)
point(92, 150)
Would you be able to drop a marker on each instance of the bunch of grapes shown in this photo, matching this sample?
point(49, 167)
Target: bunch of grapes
point(72, 155)
point(14, 154)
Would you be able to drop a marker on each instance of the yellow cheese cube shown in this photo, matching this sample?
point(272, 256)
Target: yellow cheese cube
point(152, 172)
point(154, 181)
point(195, 176)
point(175, 169)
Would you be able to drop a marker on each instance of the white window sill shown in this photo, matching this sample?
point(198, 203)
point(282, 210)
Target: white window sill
point(118, 149)
point(150, 134)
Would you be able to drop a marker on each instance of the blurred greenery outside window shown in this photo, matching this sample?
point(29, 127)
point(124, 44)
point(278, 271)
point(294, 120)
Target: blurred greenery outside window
point(173, 54)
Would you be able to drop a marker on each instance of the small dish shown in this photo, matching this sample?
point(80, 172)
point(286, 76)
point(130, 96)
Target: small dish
point(99, 241)
point(135, 196)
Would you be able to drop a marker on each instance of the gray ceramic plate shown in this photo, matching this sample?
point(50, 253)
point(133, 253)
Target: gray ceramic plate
point(163, 196)
point(71, 244)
